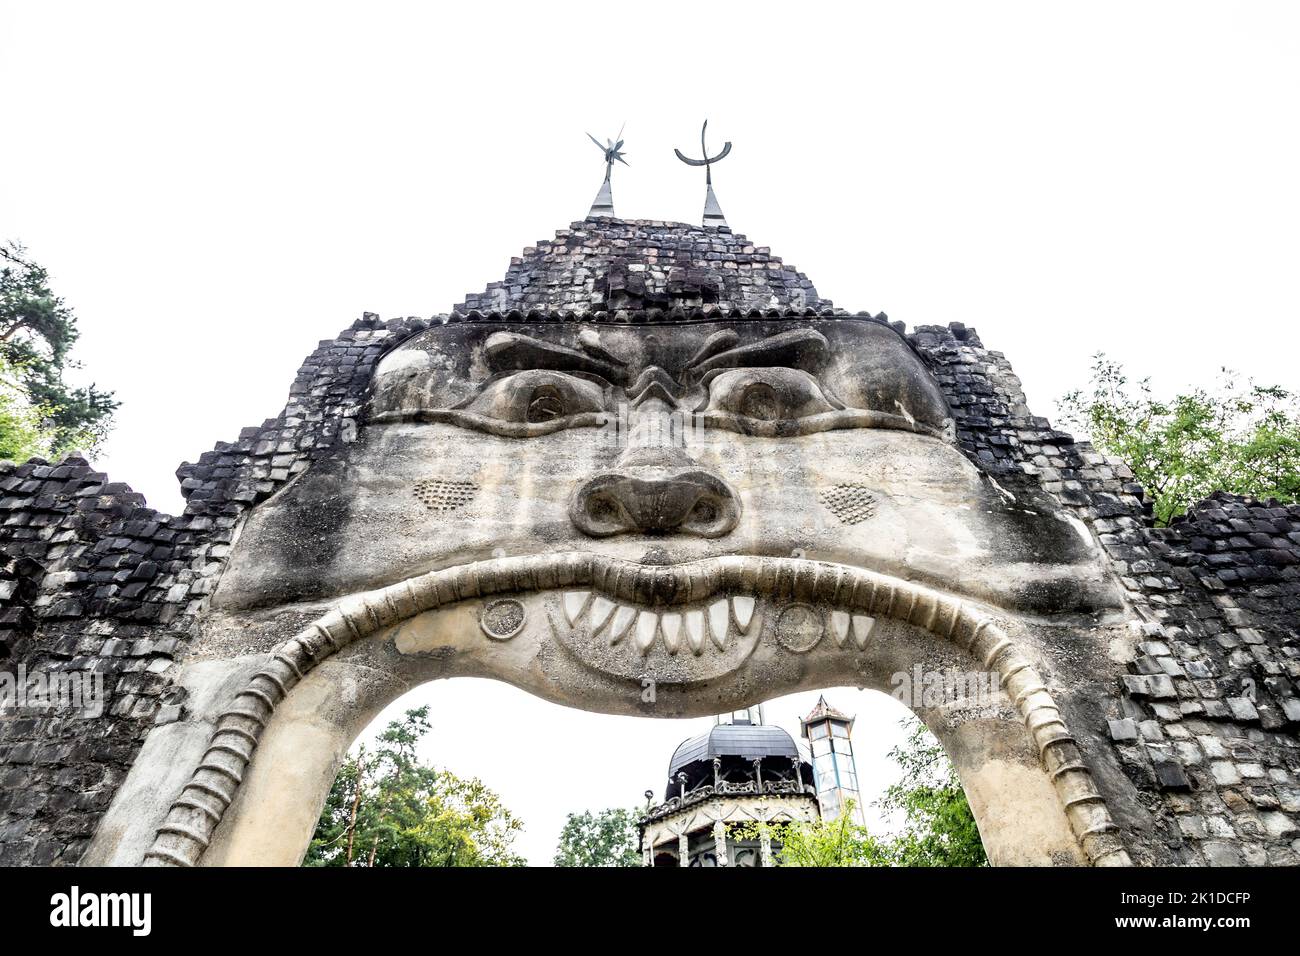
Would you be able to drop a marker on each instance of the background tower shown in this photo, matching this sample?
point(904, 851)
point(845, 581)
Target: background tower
point(835, 774)
point(742, 771)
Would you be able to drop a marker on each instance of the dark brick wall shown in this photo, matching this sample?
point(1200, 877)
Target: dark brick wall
point(1205, 722)
point(94, 583)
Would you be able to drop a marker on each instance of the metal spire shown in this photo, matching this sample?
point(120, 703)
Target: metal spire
point(712, 211)
point(604, 204)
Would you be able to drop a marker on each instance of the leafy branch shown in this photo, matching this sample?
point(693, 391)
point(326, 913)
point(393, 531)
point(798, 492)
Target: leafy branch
point(1240, 437)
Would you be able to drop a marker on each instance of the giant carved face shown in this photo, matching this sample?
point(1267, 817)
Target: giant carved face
point(717, 481)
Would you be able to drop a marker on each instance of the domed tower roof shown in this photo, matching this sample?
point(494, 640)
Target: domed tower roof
point(606, 264)
point(735, 746)
point(742, 772)
point(734, 740)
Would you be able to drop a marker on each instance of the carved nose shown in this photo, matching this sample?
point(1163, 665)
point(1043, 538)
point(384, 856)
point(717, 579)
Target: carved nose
point(683, 501)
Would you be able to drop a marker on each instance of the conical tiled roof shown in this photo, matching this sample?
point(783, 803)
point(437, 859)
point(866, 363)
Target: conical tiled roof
point(824, 710)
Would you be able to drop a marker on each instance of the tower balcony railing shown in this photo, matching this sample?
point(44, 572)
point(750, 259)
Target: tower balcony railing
point(728, 788)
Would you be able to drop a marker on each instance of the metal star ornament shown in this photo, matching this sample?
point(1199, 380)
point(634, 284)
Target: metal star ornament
point(613, 150)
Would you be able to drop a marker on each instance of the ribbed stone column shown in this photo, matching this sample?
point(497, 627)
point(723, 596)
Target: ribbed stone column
point(720, 843)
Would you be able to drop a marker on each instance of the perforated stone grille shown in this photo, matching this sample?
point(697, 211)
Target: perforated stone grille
point(852, 504)
point(439, 494)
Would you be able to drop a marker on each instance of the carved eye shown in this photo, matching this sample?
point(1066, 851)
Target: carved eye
point(538, 397)
point(767, 394)
point(547, 404)
point(761, 401)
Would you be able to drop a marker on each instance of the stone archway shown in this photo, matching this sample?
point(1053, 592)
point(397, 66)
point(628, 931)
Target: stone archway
point(722, 473)
point(257, 789)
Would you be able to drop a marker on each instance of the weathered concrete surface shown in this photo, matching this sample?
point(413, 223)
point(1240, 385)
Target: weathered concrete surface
point(356, 522)
point(165, 762)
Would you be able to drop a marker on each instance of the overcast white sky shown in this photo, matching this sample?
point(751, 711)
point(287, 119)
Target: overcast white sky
point(216, 187)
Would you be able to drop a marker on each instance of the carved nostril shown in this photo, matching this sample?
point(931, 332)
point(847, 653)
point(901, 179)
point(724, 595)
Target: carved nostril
point(712, 516)
point(705, 512)
point(690, 501)
point(601, 513)
point(601, 508)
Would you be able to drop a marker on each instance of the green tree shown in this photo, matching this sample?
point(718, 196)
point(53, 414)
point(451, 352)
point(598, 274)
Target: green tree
point(604, 838)
point(938, 826)
point(839, 841)
point(39, 412)
point(21, 434)
point(1241, 438)
point(386, 808)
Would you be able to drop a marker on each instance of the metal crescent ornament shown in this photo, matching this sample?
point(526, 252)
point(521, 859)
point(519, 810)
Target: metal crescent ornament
point(708, 160)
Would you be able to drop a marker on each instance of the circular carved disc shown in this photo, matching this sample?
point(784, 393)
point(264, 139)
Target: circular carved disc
point(799, 628)
point(502, 620)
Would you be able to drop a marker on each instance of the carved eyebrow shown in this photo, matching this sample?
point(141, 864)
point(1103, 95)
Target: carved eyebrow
point(805, 349)
point(512, 351)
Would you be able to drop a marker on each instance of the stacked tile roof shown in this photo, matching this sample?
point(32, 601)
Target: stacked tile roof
point(610, 264)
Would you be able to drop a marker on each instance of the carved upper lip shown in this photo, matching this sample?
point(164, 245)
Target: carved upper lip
point(780, 579)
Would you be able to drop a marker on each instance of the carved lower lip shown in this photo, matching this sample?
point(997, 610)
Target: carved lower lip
point(690, 644)
point(717, 608)
point(718, 625)
point(687, 631)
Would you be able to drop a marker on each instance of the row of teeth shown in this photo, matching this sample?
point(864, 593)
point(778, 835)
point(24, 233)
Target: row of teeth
point(675, 626)
point(844, 624)
point(678, 628)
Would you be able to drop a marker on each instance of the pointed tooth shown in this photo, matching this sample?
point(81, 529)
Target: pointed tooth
point(840, 627)
point(695, 630)
point(622, 621)
point(671, 625)
point(743, 609)
point(600, 609)
point(574, 604)
point(862, 626)
point(719, 617)
point(647, 624)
